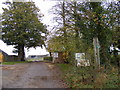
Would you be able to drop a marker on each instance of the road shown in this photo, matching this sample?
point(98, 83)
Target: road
point(32, 75)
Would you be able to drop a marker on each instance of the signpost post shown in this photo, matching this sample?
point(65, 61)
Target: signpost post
point(55, 55)
point(96, 50)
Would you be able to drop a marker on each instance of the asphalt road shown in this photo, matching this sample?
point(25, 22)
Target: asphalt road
point(32, 75)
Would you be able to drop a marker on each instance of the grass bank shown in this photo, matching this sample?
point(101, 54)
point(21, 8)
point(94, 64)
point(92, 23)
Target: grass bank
point(12, 63)
point(87, 77)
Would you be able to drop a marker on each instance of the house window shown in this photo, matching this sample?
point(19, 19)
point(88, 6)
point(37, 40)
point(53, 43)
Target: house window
point(33, 56)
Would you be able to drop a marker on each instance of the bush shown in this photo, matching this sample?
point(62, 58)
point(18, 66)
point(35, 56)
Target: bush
point(48, 58)
point(115, 60)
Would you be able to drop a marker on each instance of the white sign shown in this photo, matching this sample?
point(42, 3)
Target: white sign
point(55, 55)
point(79, 56)
point(81, 61)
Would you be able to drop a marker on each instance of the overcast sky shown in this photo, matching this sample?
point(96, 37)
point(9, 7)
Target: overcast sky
point(44, 6)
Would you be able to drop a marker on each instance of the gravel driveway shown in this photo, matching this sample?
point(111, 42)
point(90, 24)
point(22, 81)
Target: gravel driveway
point(32, 75)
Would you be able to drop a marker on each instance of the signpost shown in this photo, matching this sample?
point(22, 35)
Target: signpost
point(96, 50)
point(55, 55)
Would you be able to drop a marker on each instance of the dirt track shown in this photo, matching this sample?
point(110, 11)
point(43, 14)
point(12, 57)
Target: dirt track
point(32, 75)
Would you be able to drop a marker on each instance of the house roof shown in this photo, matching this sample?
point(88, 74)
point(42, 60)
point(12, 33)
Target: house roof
point(0, 50)
point(3, 52)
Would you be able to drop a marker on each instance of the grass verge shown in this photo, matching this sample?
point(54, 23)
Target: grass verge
point(12, 63)
point(87, 77)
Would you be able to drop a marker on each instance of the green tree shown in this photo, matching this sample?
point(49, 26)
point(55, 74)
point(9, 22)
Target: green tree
point(60, 36)
point(113, 15)
point(81, 22)
point(94, 23)
point(21, 26)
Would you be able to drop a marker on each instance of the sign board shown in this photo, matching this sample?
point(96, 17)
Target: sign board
point(79, 56)
point(80, 60)
point(118, 53)
point(55, 55)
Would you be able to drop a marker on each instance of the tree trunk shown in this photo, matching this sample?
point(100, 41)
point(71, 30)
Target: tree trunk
point(21, 53)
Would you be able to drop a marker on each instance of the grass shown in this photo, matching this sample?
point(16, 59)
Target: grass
point(82, 77)
point(40, 59)
point(17, 62)
point(12, 63)
point(65, 67)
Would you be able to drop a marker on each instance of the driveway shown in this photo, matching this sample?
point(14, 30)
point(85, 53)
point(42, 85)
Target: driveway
point(32, 75)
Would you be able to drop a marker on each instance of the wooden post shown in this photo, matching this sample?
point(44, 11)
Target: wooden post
point(96, 50)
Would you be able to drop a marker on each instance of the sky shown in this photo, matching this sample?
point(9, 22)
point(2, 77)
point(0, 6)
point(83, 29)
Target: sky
point(44, 6)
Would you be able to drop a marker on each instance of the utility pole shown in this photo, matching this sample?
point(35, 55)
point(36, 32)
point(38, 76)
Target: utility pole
point(96, 50)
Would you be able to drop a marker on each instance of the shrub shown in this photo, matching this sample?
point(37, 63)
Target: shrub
point(48, 58)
